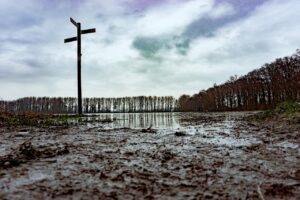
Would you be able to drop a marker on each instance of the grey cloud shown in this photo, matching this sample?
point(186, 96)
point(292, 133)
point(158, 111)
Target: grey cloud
point(20, 41)
point(148, 47)
point(243, 6)
point(19, 22)
point(205, 27)
point(151, 47)
point(183, 45)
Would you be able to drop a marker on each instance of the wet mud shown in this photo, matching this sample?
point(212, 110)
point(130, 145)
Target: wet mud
point(194, 156)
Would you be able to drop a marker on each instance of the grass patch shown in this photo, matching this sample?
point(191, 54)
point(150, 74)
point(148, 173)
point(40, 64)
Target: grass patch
point(286, 108)
point(37, 119)
point(32, 119)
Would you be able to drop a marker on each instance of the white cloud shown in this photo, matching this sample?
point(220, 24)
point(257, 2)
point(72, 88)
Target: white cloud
point(269, 32)
point(39, 63)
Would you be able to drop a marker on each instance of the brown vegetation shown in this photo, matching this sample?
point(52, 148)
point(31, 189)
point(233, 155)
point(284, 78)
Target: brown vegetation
point(260, 89)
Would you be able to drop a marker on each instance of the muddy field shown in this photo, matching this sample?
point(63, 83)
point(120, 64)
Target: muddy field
point(152, 156)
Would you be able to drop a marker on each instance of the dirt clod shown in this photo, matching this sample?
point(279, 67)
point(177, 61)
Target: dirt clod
point(26, 152)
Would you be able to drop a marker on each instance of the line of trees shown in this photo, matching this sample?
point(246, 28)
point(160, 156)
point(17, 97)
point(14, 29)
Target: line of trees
point(260, 89)
point(91, 105)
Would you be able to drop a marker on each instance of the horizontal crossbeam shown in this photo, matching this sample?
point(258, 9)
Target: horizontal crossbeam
point(70, 39)
point(92, 30)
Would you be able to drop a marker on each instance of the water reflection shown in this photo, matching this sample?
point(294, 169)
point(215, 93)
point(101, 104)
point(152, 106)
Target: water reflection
point(169, 120)
point(140, 120)
point(214, 128)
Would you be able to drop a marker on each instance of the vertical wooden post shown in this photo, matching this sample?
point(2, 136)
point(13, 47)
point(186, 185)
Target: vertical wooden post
point(79, 68)
point(78, 39)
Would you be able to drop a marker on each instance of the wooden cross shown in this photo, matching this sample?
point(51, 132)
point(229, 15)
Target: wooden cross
point(78, 39)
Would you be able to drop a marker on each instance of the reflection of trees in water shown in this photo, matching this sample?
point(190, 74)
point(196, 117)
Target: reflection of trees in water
point(141, 120)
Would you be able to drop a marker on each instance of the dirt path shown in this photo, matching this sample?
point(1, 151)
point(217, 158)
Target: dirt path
point(213, 159)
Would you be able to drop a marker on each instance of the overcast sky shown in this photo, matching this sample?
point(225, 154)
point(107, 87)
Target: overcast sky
point(142, 47)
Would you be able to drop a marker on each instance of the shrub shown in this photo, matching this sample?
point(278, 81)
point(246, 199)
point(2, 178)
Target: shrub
point(287, 107)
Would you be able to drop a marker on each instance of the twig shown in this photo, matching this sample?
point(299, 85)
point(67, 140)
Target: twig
point(261, 196)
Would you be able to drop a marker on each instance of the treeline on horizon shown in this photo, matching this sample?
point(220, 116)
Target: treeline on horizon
point(260, 89)
point(91, 105)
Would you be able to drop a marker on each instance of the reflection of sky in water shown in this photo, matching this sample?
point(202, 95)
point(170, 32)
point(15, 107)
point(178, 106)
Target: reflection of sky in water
point(215, 128)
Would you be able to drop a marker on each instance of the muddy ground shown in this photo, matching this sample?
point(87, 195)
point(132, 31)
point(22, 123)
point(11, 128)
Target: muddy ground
point(207, 156)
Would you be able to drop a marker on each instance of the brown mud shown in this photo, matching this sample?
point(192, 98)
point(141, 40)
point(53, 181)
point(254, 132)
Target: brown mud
point(204, 156)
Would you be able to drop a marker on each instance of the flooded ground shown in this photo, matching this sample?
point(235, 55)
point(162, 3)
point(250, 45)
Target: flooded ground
point(152, 156)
